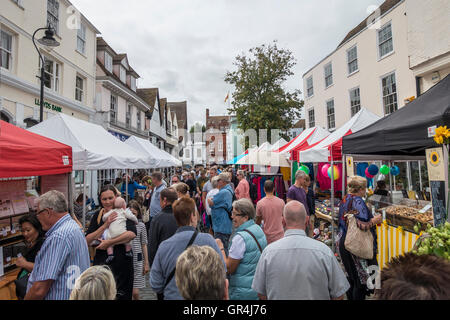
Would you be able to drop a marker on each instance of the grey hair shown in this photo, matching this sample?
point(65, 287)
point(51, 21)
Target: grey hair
point(53, 199)
point(214, 181)
point(95, 283)
point(300, 174)
point(224, 176)
point(245, 206)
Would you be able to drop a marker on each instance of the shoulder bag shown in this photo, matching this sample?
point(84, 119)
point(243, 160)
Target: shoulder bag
point(357, 241)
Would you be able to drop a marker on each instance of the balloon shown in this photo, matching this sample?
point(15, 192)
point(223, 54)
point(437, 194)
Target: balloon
point(373, 170)
point(304, 168)
point(395, 171)
point(335, 172)
point(368, 175)
point(385, 170)
point(325, 170)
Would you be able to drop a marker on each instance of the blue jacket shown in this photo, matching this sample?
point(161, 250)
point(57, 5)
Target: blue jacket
point(219, 212)
point(132, 186)
point(241, 281)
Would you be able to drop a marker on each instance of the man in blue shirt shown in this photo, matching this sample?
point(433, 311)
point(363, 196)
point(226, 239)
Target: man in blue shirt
point(132, 186)
point(64, 254)
point(220, 206)
point(155, 206)
point(170, 249)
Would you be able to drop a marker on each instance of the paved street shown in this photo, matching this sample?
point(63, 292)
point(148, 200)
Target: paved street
point(147, 293)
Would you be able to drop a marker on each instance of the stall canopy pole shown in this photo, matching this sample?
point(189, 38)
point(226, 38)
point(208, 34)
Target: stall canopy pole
point(84, 198)
point(390, 177)
point(408, 175)
point(344, 174)
point(420, 175)
point(332, 201)
point(395, 184)
point(71, 194)
point(126, 183)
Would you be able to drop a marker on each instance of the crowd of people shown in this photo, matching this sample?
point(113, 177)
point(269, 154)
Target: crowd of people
point(199, 235)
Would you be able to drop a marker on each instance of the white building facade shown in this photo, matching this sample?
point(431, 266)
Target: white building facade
point(369, 69)
point(69, 80)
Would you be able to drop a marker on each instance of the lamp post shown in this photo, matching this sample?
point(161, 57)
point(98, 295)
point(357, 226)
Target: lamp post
point(47, 41)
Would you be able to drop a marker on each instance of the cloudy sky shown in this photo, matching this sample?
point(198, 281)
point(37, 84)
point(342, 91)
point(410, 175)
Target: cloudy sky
point(185, 47)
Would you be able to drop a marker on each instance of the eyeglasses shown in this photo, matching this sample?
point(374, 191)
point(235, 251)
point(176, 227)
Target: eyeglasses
point(37, 214)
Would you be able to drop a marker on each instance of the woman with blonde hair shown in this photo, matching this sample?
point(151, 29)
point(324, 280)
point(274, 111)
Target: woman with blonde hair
point(355, 266)
point(96, 283)
point(182, 189)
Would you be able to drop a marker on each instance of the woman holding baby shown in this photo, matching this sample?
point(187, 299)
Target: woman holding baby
point(122, 264)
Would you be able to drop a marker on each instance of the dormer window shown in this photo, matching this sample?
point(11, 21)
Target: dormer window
point(108, 62)
point(133, 83)
point(123, 74)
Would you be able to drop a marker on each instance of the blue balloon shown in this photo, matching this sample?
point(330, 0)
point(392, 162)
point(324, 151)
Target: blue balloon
point(395, 171)
point(373, 170)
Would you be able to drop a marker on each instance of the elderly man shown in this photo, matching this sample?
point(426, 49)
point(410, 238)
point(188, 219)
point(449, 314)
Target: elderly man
point(64, 254)
point(155, 206)
point(221, 205)
point(207, 187)
point(297, 267)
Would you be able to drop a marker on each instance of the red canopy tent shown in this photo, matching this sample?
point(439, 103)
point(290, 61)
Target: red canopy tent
point(26, 154)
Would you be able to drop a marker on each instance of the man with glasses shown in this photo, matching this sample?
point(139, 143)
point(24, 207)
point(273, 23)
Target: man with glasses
point(175, 180)
point(64, 254)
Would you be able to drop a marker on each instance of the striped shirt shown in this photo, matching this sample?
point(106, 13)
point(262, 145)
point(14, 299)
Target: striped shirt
point(62, 258)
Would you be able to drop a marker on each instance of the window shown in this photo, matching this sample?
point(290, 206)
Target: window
point(352, 60)
point(133, 83)
point(51, 75)
point(311, 118)
point(220, 146)
point(113, 109)
point(199, 153)
point(108, 62)
point(53, 14)
point(123, 74)
point(128, 116)
point(355, 101)
point(328, 70)
point(309, 87)
point(5, 50)
point(211, 146)
point(139, 119)
point(385, 43)
point(81, 39)
point(79, 89)
point(330, 114)
point(389, 94)
point(188, 153)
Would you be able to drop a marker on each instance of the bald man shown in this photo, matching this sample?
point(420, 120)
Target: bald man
point(297, 267)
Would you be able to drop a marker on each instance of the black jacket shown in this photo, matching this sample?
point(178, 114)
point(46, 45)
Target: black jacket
point(162, 227)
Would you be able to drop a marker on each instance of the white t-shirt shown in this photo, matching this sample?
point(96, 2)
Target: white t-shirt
point(237, 249)
point(210, 195)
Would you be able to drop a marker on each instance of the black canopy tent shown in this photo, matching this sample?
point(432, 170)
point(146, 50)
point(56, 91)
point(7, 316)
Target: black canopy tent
point(404, 132)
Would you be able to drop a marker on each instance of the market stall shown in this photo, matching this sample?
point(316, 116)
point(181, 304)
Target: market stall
point(279, 144)
point(103, 152)
point(329, 149)
point(23, 156)
point(406, 135)
point(305, 139)
point(162, 158)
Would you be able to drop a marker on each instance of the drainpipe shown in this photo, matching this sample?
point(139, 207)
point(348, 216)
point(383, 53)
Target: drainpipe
point(418, 90)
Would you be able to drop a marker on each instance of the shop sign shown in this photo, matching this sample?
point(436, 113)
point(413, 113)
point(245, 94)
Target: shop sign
point(48, 105)
point(350, 167)
point(119, 136)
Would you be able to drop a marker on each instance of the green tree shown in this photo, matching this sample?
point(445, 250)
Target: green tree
point(260, 101)
point(197, 127)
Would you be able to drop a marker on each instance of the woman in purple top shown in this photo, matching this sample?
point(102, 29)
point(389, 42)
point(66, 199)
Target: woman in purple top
point(296, 191)
point(355, 266)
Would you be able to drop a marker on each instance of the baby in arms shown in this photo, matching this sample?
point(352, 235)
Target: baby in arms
point(118, 226)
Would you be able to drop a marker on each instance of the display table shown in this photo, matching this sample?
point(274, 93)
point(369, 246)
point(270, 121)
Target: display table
point(7, 285)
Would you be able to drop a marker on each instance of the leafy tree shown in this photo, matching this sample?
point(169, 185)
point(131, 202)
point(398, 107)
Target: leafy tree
point(260, 101)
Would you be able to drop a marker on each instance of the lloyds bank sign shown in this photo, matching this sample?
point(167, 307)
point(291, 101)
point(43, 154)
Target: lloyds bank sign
point(48, 105)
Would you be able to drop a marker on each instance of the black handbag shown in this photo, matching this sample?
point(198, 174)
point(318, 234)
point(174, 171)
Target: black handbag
point(21, 286)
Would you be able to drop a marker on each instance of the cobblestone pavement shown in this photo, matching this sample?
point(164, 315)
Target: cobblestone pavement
point(147, 293)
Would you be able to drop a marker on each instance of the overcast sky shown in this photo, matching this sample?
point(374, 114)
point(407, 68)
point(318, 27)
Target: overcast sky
point(185, 47)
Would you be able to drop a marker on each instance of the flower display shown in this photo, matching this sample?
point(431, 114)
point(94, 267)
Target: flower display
point(442, 135)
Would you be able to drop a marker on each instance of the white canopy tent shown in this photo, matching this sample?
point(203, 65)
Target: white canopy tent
point(279, 144)
point(164, 159)
point(265, 158)
point(93, 147)
point(265, 146)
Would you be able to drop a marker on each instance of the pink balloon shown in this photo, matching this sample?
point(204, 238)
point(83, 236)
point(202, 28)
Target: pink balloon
point(368, 175)
point(325, 170)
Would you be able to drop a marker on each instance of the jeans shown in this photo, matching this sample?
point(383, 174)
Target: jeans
point(224, 238)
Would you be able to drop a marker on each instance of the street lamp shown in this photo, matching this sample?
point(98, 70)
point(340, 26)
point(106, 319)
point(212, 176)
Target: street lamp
point(48, 41)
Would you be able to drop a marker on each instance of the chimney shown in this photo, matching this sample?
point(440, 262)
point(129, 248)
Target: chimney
point(207, 114)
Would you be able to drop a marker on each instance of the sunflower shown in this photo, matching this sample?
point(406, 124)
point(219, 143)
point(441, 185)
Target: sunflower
point(442, 135)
